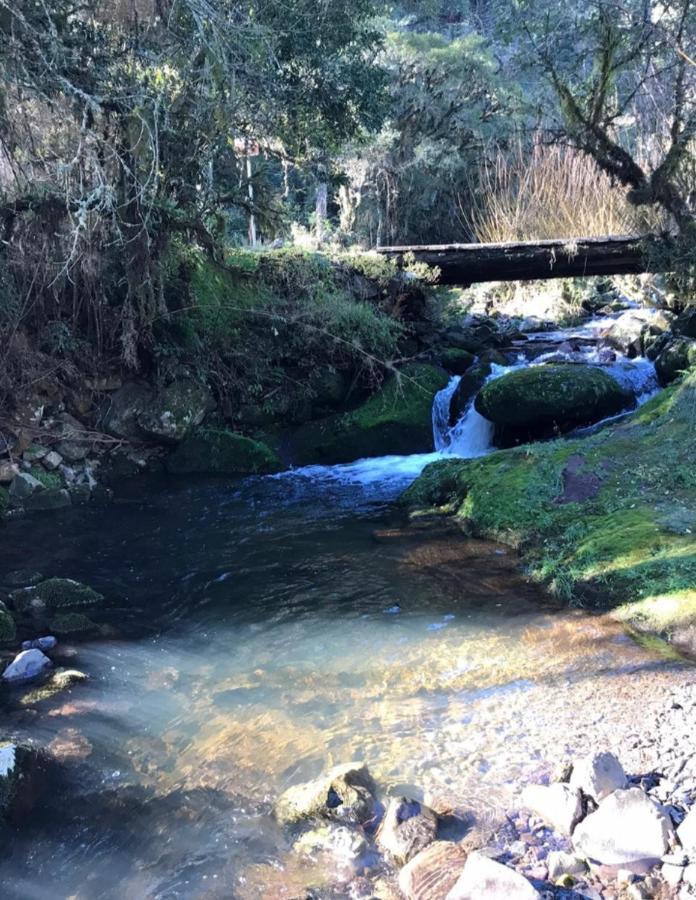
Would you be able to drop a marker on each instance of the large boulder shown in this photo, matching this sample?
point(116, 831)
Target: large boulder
point(544, 400)
point(630, 331)
point(685, 323)
point(456, 361)
point(433, 872)
point(345, 793)
point(407, 828)
point(220, 452)
point(628, 830)
point(484, 877)
point(395, 420)
point(677, 357)
point(165, 414)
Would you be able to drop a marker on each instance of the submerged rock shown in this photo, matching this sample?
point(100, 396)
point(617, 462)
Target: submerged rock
point(542, 400)
point(43, 501)
point(221, 452)
point(26, 666)
point(347, 845)
point(433, 872)
point(395, 420)
point(407, 828)
point(54, 593)
point(484, 877)
point(598, 775)
point(346, 793)
point(60, 680)
point(628, 830)
point(73, 623)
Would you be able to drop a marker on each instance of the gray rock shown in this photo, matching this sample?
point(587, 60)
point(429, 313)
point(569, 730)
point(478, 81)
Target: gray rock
point(167, 414)
point(560, 863)
point(433, 872)
point(52, 460)
point(689, 875)
point(629, 830)
point(26, 666)
point(598, 775)
point(346, 793)
point(687, 832)
point(558, 804)
point(24, 485)
point(42, 643)
point(407, 828)
point(8, 470)
point(484, 877)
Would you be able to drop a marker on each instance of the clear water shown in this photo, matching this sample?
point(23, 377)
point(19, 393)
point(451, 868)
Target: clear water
point(262, 630)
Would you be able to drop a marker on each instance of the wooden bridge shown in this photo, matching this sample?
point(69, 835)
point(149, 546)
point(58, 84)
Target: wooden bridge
point(526, 260)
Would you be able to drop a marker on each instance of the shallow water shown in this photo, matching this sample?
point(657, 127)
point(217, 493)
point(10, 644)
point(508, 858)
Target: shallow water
point(263, 630)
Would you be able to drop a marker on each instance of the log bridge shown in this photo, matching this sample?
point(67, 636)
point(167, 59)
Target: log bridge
point(465, 264)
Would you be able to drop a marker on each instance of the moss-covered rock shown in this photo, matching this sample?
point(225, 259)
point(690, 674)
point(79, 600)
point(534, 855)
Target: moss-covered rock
point(675, 359)
point(220, 452)
point(456, 361)
point(543, 400)
point(686, 322)
point(395, 420)
point(54, 593)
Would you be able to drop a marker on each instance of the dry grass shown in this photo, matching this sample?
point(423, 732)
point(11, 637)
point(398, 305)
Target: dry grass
point(549, 191)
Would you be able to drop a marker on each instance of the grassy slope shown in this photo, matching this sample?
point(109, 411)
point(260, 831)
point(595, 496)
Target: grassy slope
point(632, 544)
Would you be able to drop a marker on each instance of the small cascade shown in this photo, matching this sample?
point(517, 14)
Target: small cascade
point(441, 414)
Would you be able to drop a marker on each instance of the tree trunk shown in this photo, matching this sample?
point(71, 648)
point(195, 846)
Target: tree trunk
point(527, 260)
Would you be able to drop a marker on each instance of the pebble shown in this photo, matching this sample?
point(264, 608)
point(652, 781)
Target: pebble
point(42, 643)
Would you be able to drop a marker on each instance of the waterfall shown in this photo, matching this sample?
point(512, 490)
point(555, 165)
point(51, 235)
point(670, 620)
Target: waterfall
point(441, 414)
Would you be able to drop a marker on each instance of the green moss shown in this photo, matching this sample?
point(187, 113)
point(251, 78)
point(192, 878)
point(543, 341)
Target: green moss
point(395, 420)
point(220, 452)
point(4, 499)
point(630, 541)
point(55, 593)
point(8, 630)
point(73, 623)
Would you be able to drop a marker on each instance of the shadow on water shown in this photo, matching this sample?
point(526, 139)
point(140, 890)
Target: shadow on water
point(264, 630)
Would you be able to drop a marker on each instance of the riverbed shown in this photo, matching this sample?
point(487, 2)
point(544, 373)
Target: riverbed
point(259, 631)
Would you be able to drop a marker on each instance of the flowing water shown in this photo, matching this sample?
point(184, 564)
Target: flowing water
point(261, 630)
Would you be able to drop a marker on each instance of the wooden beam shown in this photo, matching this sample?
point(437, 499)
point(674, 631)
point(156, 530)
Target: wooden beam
point(526, 260)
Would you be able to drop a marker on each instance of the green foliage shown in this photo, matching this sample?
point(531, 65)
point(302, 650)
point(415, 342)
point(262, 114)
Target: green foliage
point(263, 326)
point(50, 480)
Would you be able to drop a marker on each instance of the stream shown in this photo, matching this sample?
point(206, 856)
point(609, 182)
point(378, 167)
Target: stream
point(261, 630)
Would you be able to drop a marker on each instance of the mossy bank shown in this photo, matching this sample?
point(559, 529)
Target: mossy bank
point(606, 520)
